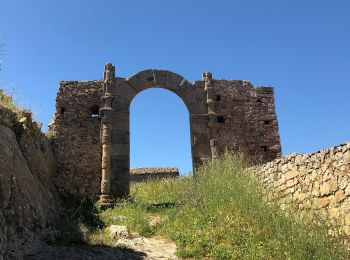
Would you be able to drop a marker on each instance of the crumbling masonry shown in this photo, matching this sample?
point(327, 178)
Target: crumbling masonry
point(91, 126)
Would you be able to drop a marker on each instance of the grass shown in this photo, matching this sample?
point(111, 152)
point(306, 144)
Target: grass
point(8, 110)
point(218, 214)
point(7, 102)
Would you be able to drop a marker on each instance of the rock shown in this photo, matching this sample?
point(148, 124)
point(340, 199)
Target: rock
point(155, 221)
point(118, 232)
point(154, 248)
point(347, 190)
point(50, 235)
point(339, 196)
point(346, 157)
point(328, 187)
point(27, 202)
point(119, 218)
point(292, 174)
point(324, 202)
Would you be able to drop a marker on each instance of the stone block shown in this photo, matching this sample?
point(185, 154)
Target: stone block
point(346, 157)
point(200, 139)
point(292, 174)
point(328, 187)
point(339, 196)
point(120, 137)
point(120, 149)
point(117, 232)
point(120, 176)
point(121, 104)
point(126, 91)
point(174, 81)
point(121, 125)
point(161, 78)
point(324, 202)
point(146, 79)
point(195, 102)
point(120, 162)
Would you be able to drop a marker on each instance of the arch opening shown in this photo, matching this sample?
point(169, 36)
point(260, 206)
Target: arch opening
point(160, 131)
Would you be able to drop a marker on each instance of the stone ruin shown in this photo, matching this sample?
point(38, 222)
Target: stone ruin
point(147, 174)
point(91, 137)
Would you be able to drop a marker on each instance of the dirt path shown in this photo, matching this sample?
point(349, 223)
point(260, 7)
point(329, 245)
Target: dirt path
point(125, 248)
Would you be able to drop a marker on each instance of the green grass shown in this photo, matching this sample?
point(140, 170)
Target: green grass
point(220, 214)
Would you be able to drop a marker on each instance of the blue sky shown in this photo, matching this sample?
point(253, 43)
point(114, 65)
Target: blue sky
point(302, 48)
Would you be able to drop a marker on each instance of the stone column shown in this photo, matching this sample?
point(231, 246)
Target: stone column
point(212, 117)
point(109, 82)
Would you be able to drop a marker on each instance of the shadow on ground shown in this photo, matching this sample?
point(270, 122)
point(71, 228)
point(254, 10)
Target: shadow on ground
point(79, 217)
point(84, 252)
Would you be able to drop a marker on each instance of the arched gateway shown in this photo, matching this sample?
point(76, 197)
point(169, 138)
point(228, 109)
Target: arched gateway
point(115, 119)
point(91, 126)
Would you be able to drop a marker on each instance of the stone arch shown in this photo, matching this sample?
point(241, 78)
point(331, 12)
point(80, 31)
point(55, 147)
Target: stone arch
point(192, 96)
point(123, 94)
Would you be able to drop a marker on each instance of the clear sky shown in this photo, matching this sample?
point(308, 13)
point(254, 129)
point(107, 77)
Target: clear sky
point(302, 48)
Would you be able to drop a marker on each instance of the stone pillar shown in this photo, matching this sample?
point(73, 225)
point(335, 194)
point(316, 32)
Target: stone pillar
point(106, 111)
point(212, 117)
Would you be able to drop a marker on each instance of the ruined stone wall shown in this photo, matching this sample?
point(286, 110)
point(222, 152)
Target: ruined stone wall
point(317, 182)
point(146, 174)
point(246, 119)
point(76, 137)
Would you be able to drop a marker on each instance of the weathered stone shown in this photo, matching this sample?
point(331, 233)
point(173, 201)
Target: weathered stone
point(146, 174)
point(339, 196)
point(346, 157)
point(223, 116)
point(292, 174)
point(347, 190)
point(28, 200)
point(120, 137)
point(324, 202)
point(117, 232)
point(334, 213)
point(328, 187)
point(323, 187)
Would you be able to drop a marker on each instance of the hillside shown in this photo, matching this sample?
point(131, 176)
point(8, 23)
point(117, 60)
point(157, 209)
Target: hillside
point(28, 200)
point(218, 214)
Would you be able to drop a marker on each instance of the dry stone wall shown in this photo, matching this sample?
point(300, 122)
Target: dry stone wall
point(317, 182)
point(91, 125)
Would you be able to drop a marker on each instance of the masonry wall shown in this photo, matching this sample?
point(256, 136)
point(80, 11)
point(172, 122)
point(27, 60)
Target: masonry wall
point(318, 182)
point(246, 122)
point(76, 138)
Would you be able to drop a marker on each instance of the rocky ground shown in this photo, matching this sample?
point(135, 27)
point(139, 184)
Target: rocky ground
point(126, 246)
